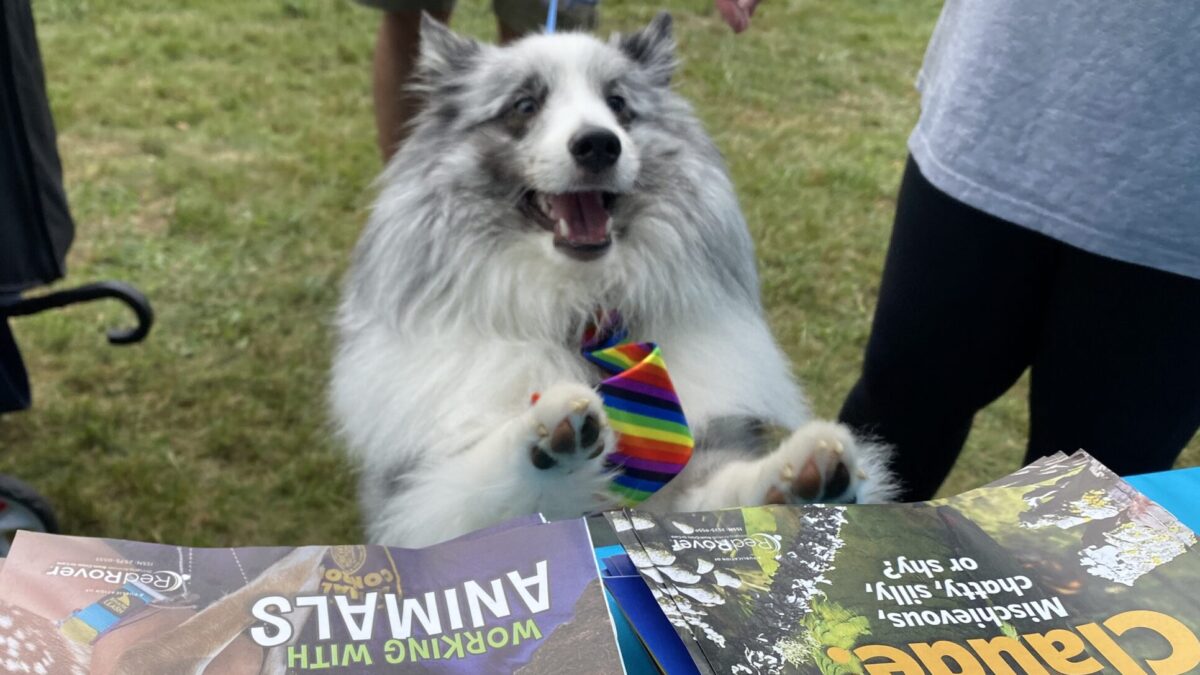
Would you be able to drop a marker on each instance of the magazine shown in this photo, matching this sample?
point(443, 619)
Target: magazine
point(1061, 567)
point(522, 598)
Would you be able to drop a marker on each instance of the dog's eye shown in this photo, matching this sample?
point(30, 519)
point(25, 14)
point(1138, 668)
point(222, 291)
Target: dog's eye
point(525, 106)
point(616, 104)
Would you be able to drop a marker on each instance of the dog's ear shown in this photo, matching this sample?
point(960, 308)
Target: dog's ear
point(653, 48)
point(443, 52)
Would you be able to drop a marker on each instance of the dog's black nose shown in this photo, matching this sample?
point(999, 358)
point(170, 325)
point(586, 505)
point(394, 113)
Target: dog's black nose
point(595, 149)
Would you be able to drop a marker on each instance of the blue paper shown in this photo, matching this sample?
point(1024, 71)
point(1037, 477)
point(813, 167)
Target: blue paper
point(1177, 491)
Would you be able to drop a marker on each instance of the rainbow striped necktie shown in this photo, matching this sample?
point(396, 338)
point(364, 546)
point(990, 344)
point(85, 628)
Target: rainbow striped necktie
point(654, 442)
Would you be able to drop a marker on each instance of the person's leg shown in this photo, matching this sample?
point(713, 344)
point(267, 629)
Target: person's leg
point(515, 18)
point(960, 308)
point(507, 33)
point(1117, 371)
point(396, 50)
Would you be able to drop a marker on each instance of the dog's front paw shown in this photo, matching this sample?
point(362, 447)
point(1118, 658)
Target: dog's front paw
point(570, 429)
point(820, 463)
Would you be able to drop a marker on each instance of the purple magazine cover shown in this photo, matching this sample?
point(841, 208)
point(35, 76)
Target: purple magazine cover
point(526, 599)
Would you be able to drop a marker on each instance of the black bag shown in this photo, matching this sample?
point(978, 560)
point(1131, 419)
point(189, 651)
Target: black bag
point(36, 229)
point(35, 226)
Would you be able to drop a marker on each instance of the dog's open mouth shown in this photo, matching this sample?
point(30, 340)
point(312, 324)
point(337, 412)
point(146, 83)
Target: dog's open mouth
point(581, 221)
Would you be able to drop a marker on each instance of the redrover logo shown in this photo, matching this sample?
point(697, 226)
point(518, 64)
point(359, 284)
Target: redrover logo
point(159, 580)
point(768, 542)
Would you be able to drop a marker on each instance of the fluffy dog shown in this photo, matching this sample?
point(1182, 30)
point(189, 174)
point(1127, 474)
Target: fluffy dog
point(544, 182)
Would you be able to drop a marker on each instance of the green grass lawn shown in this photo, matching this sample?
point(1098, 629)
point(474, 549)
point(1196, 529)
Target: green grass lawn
point(218, 155)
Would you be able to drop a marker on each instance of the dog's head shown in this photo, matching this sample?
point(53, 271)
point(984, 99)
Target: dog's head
point(556, 129)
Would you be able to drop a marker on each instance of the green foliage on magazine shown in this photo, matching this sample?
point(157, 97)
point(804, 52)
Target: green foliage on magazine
point(829, 625)
point(762, 520)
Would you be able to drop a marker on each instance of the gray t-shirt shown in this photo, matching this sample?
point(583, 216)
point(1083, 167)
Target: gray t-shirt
point(1077, 119)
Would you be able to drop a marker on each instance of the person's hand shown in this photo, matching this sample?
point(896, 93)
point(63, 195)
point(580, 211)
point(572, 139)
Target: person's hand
point(736, 13)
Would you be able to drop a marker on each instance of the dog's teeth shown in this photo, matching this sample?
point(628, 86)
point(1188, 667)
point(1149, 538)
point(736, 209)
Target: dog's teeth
point(562, 230)
point(608, 226)
point(862, 475)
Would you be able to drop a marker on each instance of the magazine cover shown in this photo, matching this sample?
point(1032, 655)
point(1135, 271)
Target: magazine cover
point(523, 599)
point(1058, 568)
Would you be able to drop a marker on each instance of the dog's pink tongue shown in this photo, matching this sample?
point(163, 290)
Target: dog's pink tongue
point(585, 217)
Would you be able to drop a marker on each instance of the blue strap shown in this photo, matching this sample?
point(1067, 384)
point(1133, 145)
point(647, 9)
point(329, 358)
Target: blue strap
point(552, 16)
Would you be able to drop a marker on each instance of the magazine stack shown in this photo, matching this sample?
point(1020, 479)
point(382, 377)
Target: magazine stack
point(1061, 567)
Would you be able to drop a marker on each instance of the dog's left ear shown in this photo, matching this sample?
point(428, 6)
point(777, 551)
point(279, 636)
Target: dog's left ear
point(443, 52)
point(653, 48)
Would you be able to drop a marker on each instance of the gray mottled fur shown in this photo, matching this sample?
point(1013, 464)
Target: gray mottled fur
point(456, 307)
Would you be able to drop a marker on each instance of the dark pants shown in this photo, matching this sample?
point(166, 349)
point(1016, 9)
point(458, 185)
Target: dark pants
point(969, 301)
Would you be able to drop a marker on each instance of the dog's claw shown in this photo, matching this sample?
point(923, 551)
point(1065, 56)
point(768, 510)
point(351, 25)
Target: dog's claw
point(788, 472)
point(543, 431)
